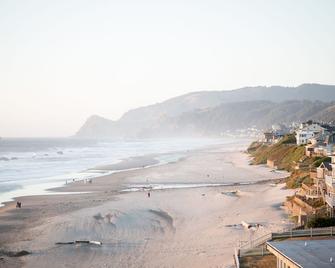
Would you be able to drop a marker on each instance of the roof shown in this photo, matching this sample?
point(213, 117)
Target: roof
point(315, 254)
point(328, 127)
point(326, 165)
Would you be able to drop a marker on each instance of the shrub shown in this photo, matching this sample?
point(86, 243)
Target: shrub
point(308, 180)
point(320, 222)
point(319, 160)
point(288, 139)
point(296, 179)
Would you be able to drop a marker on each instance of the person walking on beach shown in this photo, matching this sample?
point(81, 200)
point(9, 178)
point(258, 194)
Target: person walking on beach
point(149, 194)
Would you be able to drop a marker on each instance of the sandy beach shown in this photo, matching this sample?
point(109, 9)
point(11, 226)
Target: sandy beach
point(193, 219)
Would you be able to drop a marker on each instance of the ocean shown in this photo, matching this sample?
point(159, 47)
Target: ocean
point(31, 166)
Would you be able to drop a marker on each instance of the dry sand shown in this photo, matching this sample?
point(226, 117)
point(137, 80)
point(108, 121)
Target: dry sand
point(191, 227)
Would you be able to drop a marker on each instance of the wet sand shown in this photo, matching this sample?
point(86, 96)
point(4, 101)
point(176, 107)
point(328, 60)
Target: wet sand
point(189, 227)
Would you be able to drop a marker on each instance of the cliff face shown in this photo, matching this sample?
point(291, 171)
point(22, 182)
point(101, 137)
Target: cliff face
point(211, 112)
point(97, 126)
point(286, 154)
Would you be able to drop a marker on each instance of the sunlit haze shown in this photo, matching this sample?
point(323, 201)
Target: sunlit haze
point(62, 61)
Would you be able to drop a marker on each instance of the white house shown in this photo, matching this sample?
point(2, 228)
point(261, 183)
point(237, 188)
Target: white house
point(306, 132)
point(330, 188)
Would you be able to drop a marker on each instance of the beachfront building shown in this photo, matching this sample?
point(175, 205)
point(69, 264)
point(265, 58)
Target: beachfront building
point(309, 150)
point(302, 136)
point(303, 207)
point(325, 169)
point(310, 200)
point(322, 144)
point(274, 134)
point(303, 253)
point(268, 137)
point(319, 150)
point(307, 131)
point(330, 189)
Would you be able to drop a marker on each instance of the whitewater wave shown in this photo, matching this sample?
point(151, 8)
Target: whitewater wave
point(167, 186)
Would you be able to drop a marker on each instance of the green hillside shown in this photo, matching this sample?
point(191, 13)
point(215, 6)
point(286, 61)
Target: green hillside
point(288, 156)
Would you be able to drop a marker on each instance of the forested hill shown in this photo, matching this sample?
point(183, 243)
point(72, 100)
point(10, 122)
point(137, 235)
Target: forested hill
point(211, 112)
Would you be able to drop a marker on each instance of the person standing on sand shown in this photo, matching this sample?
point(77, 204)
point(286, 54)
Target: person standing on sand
point(149, 191)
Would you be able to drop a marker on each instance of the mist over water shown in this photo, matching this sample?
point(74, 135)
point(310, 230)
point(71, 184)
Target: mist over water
point(30, 166)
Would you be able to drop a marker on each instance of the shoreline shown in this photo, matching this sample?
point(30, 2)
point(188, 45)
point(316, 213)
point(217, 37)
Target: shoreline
point(98, 171)
point(111, 209)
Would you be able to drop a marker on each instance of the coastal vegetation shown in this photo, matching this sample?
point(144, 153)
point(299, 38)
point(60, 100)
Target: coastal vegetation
point(284, 153)
point(287, 156)
point(318, 222)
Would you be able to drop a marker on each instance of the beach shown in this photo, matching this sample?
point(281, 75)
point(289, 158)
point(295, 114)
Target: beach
point(191, 219)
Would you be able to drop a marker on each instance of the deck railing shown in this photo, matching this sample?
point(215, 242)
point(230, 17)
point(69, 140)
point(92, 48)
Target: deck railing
point(256, 247)
point(330, 200)
point(330, 181)
point(289, 233)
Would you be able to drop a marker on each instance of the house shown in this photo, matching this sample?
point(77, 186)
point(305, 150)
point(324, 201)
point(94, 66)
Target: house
point(280, 130)
point(321, 144)
point(314, 150)
point(310, 200)
point(330, 188)
point(311, 191)
point(303, 135)
point(276, 132)
point(307, 131)
point(303, 253)
point(309, 150)
point(322, 151)
point(330, 128)
point(319, 178)
point(323, 170)
point(299, 206)
point(268, 137)
point(330, 138)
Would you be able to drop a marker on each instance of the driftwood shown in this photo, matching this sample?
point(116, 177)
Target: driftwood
point(80, 242)
point(14, 253)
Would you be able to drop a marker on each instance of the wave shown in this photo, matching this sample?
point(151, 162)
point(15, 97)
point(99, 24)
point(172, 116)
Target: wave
point(168, 186)
point(39, 163)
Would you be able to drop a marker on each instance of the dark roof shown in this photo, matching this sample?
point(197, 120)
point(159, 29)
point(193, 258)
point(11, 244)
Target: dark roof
point(328, 127)
point(327, 165)
point(313, 254)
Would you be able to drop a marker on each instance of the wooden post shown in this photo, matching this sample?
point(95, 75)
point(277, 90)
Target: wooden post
point(311, 232)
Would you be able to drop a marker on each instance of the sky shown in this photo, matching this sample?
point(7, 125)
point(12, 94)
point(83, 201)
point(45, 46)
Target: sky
point(62, 61)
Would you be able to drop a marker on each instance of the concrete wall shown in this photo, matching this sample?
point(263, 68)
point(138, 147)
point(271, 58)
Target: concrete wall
point(271, 163)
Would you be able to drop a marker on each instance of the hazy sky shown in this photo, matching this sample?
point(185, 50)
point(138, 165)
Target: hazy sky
point(62, 61)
